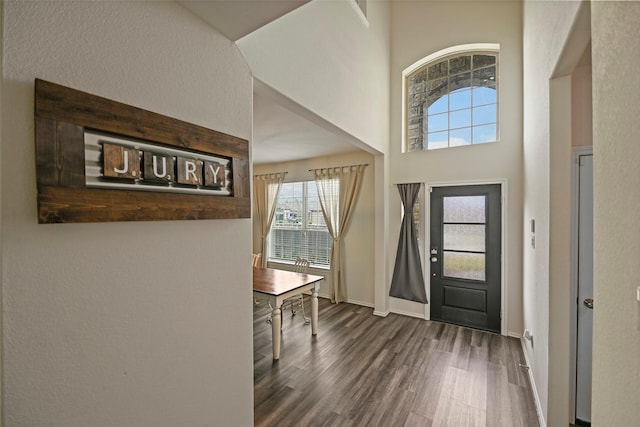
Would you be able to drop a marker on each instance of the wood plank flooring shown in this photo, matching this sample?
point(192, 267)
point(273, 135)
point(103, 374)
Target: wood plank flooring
point(365, 370)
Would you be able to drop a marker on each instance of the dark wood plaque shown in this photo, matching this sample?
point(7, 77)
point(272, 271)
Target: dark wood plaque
point(62, 115)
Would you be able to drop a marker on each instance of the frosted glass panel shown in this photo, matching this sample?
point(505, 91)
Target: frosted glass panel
point(464, 265)
point(464, 237)
point(464, 209)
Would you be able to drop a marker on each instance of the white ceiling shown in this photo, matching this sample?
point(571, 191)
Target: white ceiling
point(237, 18)
point(282, 130)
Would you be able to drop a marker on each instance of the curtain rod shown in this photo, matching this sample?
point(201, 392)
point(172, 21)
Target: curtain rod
point(339, 167)
point(270, 174)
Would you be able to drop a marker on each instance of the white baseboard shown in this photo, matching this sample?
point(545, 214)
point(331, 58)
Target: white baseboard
point(368, 304)
point(409, 314)
point(361, 303)
point(381, 313)
point(534, 389)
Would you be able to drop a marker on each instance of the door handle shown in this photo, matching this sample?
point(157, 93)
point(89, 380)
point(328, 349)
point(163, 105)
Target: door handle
point(588, 302)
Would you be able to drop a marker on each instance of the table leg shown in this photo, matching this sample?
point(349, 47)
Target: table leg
point(276, 324)
point(314, 310)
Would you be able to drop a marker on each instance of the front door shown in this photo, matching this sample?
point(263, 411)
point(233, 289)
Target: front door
point(465, 252)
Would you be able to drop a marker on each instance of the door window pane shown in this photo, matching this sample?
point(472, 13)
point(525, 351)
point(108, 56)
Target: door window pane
point(463, 265)
point(464, 237)
point(464, 209)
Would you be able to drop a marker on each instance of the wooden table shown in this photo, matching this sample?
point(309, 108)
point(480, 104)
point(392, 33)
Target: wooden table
point(278, 285)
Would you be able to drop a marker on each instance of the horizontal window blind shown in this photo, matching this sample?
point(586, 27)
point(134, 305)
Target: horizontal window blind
point(298, 228)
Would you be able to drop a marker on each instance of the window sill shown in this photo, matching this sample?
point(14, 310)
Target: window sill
point(284, 265)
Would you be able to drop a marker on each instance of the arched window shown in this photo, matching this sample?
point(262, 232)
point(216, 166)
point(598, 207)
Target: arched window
point(451, 98)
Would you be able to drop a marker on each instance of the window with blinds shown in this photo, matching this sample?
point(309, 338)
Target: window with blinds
point(298, 228)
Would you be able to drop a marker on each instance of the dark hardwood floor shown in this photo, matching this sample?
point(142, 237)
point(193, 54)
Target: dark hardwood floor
point(365, 370)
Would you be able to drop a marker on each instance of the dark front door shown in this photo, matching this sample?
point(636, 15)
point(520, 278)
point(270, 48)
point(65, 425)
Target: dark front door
point(465, 254)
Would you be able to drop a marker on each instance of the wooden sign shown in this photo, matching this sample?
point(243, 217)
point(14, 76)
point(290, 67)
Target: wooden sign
point(101, 160)
point(158, 167)
point(112, 162)
point(121, 162)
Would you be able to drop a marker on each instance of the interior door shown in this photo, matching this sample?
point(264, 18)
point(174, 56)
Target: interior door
point(585, 288)
point(465, 255)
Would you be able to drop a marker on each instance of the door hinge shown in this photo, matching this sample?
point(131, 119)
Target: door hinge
point(500, 314)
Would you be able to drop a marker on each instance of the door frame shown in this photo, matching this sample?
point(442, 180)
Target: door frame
point(505, 253)
point(573, 310)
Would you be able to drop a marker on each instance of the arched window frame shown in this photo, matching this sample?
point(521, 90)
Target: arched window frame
point(475, 48)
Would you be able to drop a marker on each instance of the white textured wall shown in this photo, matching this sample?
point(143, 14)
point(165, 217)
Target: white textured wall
point(546, 29)
point(559, 241)
point(323, 57)
point(420, 29)
point(1, 236)
point(122, 324)
point(582, 128)
point(359, 241)
point(616, 149)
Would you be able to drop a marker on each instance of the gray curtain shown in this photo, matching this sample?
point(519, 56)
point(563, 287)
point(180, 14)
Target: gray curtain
point(408, 281)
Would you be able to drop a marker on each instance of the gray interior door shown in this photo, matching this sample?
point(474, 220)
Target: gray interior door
point(465, 253)
point(585, 289)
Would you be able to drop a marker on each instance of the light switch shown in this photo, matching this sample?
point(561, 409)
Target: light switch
point(532, 227)
point(638, 293)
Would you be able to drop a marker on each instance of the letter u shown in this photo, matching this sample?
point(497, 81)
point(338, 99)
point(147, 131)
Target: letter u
point(155, 167)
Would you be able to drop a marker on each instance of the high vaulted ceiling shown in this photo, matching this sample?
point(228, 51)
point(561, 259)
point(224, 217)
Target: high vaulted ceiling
point(237, 18)
point(282, 130)
point(285, 131)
